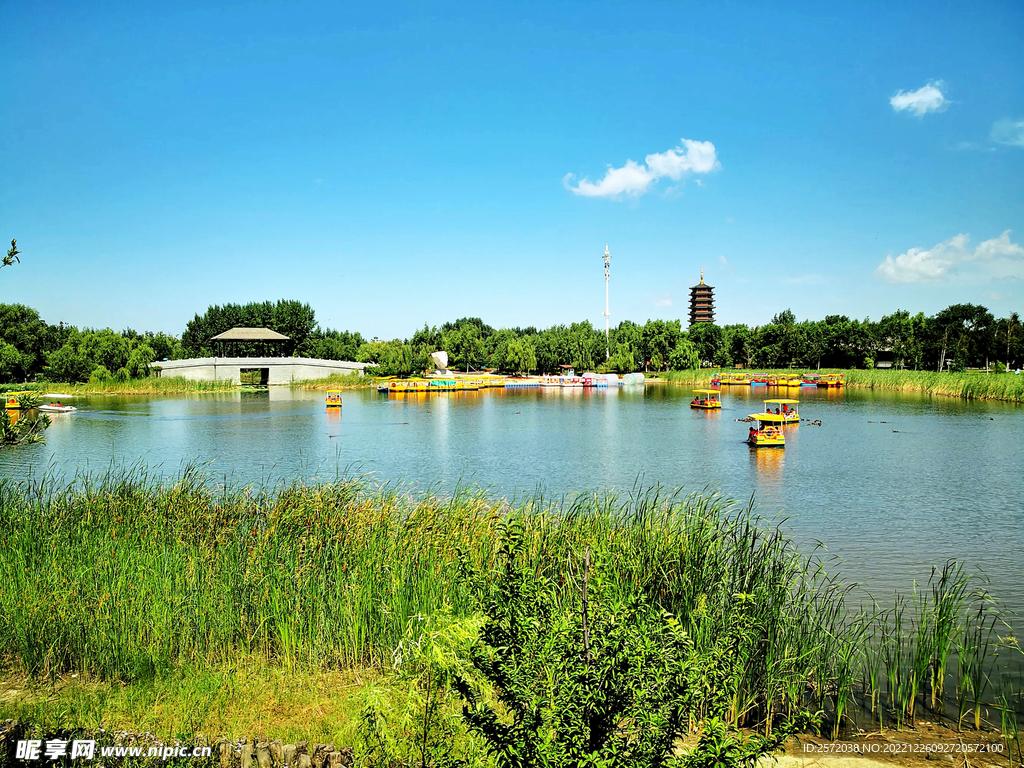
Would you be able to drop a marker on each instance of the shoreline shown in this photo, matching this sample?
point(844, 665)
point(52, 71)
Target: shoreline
point(1002, 387)
point(300, 598)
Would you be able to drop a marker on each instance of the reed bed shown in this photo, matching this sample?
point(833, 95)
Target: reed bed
point(698, 377)
point(975, 385)
point(125, 577)
point(337, 381)
point(971, 386)
point(148, 386)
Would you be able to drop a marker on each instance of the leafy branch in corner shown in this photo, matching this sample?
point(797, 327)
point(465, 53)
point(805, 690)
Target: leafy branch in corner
point(12, 255)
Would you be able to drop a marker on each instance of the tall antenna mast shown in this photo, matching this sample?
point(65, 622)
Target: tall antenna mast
point(606, 313)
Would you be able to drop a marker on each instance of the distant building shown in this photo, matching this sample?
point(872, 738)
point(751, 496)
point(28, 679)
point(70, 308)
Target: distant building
point(702, 302)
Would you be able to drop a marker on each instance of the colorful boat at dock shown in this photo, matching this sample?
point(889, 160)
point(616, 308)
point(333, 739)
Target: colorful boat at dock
point(781, 411)
point(417, 386)
point(809, 380)
point(831, 380)
point(706, 399)
point(764, 433)
point(735, 379)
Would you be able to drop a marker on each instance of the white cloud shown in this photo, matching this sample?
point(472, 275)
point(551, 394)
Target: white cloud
point(634, 179)
point(997, 258)
point(722, 259)
point(927, 98)
point(1008, 131)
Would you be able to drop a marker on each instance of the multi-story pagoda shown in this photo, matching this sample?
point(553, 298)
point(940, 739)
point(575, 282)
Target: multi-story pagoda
point(702, 302)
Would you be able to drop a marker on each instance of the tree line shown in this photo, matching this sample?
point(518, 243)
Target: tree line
point(959, 337)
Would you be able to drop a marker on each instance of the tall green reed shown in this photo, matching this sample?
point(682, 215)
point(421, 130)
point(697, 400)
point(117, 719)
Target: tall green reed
point(125, 576)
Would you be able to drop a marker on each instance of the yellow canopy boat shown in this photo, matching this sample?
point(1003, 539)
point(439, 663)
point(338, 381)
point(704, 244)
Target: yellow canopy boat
point(11, 399)
point(738, 379)
point(333, 398)
point(764, 434)
point(831, 380)
point(707, 399)
point(781, 411)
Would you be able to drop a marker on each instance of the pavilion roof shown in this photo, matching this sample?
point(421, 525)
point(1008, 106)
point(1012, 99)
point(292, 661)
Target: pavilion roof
point(249, 334)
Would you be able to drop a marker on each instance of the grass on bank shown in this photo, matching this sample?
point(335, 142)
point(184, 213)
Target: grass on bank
point(151, 385)
point(174, 384)
point(979, 386)
point(121, 578)
point(337, 381)
point(247, 697)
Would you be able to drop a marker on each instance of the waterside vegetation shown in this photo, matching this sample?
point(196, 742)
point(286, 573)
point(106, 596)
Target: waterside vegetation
point(152, 385)
point(976, 385)
point(439, 603)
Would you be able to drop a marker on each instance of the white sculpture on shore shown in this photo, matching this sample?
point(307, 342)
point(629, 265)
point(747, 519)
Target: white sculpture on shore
point(440, 360)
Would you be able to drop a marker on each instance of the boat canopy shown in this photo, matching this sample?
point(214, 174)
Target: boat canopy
point(707, 392)
point(783, 402)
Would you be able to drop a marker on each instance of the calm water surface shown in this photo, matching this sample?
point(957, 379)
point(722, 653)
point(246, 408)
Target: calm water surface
point(890, 483)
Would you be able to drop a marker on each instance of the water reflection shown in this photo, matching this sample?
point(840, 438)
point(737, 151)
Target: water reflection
point(768, 463)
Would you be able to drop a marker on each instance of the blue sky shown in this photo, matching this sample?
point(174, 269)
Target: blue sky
point(402, 164)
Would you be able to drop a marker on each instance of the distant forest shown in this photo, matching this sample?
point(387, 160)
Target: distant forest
point(959, 337)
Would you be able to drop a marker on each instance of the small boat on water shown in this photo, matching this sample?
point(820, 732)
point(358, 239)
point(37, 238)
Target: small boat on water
point(809, 380)
point(831, 380)
point(11, 400)
point(706, 399)
point(56, 408)
point(333, 398)
point(781, 411)
point(790, 380)
point(765, 434)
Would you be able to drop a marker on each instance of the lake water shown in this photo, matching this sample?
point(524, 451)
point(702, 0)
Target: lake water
point(891, 483)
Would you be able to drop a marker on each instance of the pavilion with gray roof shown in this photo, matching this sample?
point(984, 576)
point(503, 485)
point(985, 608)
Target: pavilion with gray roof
point(268, 338)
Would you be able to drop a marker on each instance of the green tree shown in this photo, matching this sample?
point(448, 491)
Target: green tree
point(520, 356)
point(69, 363)
point(583, 346)
point(659, 339)
point(1007, 338)
point(464, 345)
point(963, 335)
point(736, 340)
point(292, 318)
point(22, 328)
point(708, 340)
point(10, 362)
point(498, 346)
point(684, 357)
